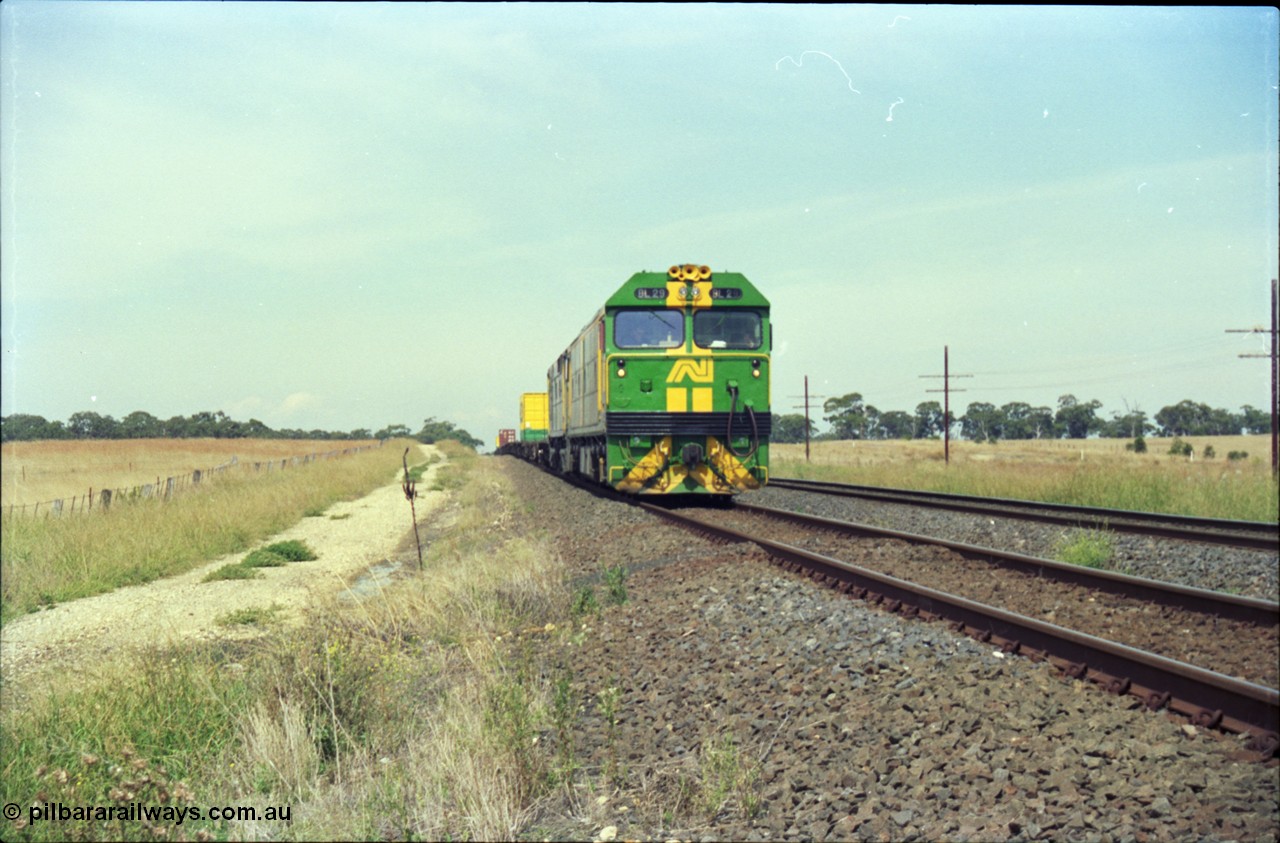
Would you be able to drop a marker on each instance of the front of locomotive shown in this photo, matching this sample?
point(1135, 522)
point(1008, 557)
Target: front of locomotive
point(686, 383)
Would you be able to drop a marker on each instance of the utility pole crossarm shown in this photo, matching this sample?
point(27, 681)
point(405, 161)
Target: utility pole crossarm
point(946, 400)
point(806, 397)
point(1274, 355)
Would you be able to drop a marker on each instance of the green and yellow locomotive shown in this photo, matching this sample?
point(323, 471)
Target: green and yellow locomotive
point(666, 390)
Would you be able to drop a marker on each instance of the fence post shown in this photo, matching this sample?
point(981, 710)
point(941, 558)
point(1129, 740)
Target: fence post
point(106, 499)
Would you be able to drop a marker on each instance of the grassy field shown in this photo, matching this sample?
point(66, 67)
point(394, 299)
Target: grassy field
point(1092, 472)
point(52, 560)
point(404, 716)
point(51, 469)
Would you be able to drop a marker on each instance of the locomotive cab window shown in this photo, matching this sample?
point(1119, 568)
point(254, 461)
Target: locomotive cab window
point(648, 329)
point(739, 329)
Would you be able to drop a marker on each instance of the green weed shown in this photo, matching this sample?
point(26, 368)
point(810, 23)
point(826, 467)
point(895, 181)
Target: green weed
point(263, 558)
point(727, 777)
point(293, 550)
point(615, 583)
point(1087, 548)
point(232, 572)
point(584, 602)
point(259, 616)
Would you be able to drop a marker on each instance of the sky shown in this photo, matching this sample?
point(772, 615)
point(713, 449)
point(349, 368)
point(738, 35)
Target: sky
point(343, 216)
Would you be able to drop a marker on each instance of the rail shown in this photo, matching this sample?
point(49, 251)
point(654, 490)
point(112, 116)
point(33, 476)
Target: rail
point(1255, 535)
point(1209, 699)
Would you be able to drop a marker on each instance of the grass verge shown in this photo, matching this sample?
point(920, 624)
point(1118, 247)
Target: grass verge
point(416, 713)
point(51, 560)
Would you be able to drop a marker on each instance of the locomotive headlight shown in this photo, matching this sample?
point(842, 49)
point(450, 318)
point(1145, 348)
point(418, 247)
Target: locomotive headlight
point(622, 368)
point(755, 368)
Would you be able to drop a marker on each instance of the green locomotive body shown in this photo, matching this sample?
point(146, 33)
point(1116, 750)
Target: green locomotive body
point(666, 390)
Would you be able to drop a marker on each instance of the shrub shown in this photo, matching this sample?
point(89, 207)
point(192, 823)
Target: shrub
point(1237, 455)
point(263, 558)
point(1138, 445)
point(293, 550)
point(1181, 449)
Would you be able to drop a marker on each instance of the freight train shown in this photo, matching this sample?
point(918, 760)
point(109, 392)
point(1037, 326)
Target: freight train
point(664, 392)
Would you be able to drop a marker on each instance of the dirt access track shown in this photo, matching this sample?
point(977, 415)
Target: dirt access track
point(353, 536)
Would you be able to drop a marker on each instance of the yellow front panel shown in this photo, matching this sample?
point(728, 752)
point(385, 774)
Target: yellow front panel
point(677, 399)
point(702, 400)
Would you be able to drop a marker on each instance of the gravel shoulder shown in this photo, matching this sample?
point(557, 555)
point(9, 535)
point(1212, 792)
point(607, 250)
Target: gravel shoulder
point(351, 537)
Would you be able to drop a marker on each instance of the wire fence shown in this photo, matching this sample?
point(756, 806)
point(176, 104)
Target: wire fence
point(103, 499)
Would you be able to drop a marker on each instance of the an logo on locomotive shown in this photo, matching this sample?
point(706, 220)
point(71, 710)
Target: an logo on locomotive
point(698, 371)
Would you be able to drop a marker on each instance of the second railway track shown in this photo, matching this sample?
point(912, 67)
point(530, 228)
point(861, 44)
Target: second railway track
point(1215, 670)
point(1233, 570)
point(1254, 535)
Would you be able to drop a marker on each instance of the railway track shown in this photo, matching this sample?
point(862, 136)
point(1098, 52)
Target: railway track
point(1255, 535)
point(1203, 655)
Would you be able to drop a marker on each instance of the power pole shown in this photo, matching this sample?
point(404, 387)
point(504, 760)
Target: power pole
point(946, 400)
point(1275, 368)
point(807, 396)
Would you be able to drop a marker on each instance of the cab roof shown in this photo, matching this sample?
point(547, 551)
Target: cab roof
point(674, 287)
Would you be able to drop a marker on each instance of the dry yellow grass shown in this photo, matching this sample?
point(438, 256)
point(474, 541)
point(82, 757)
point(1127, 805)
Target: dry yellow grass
point(1092, 472)
point(1029, 451)
point(33, 472)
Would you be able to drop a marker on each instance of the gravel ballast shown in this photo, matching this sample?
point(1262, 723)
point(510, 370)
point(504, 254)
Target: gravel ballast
point(729, 699)
point(1251, 573)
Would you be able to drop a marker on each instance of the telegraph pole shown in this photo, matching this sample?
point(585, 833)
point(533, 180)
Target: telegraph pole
point(946, 400)
point(807, 396)
point(1275, 368)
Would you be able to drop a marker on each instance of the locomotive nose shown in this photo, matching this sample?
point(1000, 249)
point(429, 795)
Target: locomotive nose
point(691, 454)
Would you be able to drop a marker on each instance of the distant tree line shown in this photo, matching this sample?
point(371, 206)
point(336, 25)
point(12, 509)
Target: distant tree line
point(851, 417)
point(21, 427)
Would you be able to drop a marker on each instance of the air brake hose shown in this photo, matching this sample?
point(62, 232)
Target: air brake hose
point(755, 430)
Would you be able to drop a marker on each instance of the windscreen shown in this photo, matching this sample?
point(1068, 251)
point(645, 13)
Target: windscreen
point(727, 328)
point(648, 329)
